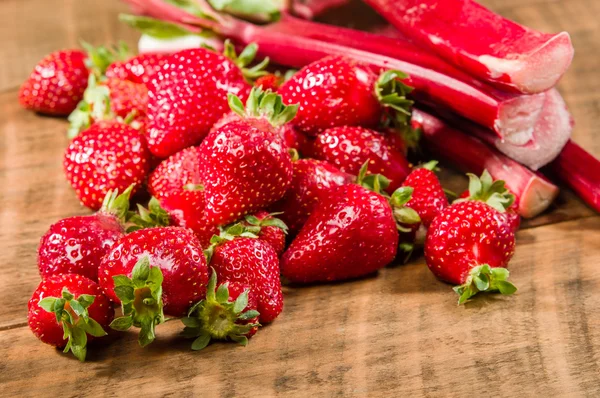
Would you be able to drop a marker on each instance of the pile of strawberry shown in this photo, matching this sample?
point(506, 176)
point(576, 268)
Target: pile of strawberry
point(234, 209)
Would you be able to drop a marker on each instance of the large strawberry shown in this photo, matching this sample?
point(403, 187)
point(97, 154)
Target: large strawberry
point(56, 84)
point(176, 172)
point(350, 147)
point(312, 180)
point(108, 156)
point(76, 245)
point(338, 91)
point(138, 69)
point(164, 266)
point(189, 94)
point(245, 165)
point(67, 310)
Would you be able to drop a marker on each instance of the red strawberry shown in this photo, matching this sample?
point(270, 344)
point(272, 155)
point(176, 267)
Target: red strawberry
point(337, 91)
point(311, 181)
point(56, 84)
point(267, 228)
point(467, 244)
point(428, 197)
point(166, 266)
point(189, 94)
point(228, 313)
point(107, 156)
point(253, 262)
point(76, 245)
point(350, 147)
point(270, 81)
point(67, 310)
point(351, 233)
point(175, 172)
point(139, 69)
point(245, 165)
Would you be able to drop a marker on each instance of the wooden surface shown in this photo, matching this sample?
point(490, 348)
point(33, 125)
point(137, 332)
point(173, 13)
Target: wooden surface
point(397, 334)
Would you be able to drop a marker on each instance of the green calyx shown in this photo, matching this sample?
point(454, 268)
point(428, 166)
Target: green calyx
point(268, 221)
point(100, 58)
point(216, 317)
point(493, 193)
point(484, 278)
point(228, 233)
point(263, 104)
point(72, 314)
point(403, 214)
point(94, 106)
point(117, 205)
point(245, 58)
point(374, 182)
point(254, 10)
point(153, 216)
point(392, 93)
point(141, 300)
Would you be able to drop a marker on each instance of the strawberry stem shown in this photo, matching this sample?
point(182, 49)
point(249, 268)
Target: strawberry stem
point(484, 278)
point(263, 104)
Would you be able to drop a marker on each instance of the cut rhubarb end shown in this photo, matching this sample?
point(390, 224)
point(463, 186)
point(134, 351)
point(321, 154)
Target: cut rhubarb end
point(532, 191)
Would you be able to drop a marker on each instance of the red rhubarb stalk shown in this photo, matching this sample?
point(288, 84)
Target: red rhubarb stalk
point(481, 42)
point(579, 170)
point(532, 191)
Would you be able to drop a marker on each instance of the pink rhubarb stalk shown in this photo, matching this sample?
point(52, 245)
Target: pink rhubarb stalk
point(481, 42)
point(533, 192)
point(579, 170)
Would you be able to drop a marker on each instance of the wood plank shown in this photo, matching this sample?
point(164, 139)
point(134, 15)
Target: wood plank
point(400, 333)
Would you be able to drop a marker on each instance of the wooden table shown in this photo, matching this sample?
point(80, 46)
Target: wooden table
point(398, 334)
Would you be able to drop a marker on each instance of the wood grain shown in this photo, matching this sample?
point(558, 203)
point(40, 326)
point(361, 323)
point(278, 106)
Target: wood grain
point(399, 333)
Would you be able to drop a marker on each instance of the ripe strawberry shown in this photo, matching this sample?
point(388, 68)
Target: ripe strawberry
point(67, 310)
point(76, 245)
point(174, 173)
point(350, 147)
point(337, 91)
point(139, 69)
point(252, 262)
point(227, 313)
point(56, 84)
point(267, 228)
point(166, 266)
point(245, 165)
point(428, 197)
point(107, 156)
point(312, 180)
point(468, 245)
point(189, 94)
point(270, 81)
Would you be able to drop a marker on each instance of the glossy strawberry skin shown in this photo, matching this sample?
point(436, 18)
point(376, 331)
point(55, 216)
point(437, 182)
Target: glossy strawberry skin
point(245, 167)
point(127, 97)
point(43, 324)
point(272, 235)
point(178, 254)
point(56, 84)
point(350, 147)
point(186, 209)
point(173, 173)
point(187, 96)
point(312, 180)
point(428, 197)
point(511, 217)
point(237, 288)
point(107, 156)
point(334, 91)
point(252, 262)
point(139, 69)
point(76, 245)
point(465, 235)
point(352, 233)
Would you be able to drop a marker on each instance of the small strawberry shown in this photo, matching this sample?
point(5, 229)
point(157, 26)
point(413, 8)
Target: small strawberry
point(139, 69)
point(76, 245)
point(189, 94)
point(176, 172)
point(469, 244)
point(67, 311)
point(106, 157)
point(428, 197)
point(267, 228)
point(227, 313)
point(164, 266)
point(337, 91)
point(312, 180)
point(270, 81)
point(56, 84)
point(245, 166)
point(350, 147)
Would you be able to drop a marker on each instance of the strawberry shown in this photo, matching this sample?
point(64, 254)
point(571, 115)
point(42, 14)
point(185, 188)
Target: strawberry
point(245, 166)
point(56, 84)
point(76, 245)
point(107, 156)
point(227, 313)
point(468, 245)
point(189, 94)
point(67, 311)
point(337, 91)
point(428, 196)
point(267, 228)
point(166, 266)
point(350, 147)
point(270, 81)
point(174, 173)
point(139, 69)
point(312, 180)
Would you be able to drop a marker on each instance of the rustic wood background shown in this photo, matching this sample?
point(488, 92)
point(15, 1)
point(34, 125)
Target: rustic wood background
point(398, 334)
